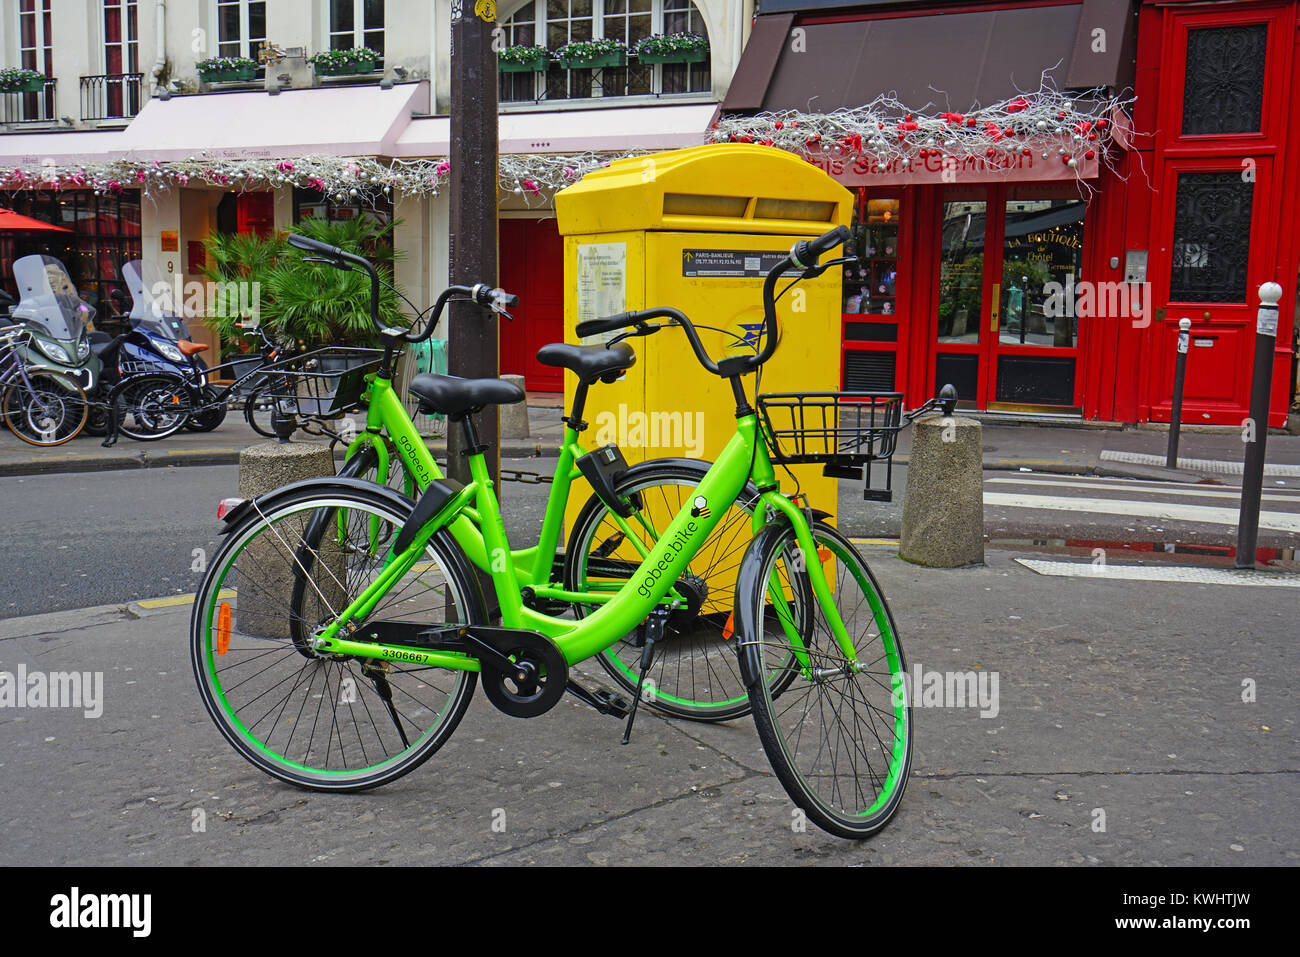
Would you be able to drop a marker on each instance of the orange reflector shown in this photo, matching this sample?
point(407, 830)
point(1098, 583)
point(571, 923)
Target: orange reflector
point(824, 554)
point(729, 628)
point(223, 628)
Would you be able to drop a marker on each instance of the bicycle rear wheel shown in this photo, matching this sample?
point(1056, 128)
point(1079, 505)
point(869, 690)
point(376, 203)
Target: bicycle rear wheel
point(332, 723)
point(840, 736)
point(153, 405)
point(48, 410)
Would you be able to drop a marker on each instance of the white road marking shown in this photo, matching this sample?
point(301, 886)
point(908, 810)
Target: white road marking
point(1195, 465)
point(1207, 491)
point(1208, 514)
point(1161, 573)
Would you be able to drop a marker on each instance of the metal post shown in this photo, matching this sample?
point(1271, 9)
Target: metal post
point(472, 330)
point(1252, 478)
point(1176, 411)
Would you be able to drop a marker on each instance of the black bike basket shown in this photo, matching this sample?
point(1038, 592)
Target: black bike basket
point(844, 432)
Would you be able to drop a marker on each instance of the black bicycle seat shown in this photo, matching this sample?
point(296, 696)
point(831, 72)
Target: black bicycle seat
point(588, 362)
point(456, 398)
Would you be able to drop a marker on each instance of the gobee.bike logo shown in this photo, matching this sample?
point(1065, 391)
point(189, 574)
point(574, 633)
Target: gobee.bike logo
point(700, 509)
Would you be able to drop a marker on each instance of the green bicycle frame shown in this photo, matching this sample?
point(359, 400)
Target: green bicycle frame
point(745, 457)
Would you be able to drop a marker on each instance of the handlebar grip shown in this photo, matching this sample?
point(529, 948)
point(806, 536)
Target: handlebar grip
point(605, 324)
point(485, 295)
point(806, 252)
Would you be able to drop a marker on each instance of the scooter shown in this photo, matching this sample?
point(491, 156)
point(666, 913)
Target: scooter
point(58, 320)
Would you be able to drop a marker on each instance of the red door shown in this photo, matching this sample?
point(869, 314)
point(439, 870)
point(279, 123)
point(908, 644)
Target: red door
point(532, 267)
point(255, 213)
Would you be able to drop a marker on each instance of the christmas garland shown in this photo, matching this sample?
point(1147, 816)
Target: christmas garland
point(342, 179)
point(886, 135)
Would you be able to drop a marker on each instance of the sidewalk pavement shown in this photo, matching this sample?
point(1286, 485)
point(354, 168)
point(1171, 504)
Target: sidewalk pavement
point(1121, 735)
point(1082, 449)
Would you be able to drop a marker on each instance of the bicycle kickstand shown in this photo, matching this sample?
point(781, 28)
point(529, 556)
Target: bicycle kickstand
point(652, 630)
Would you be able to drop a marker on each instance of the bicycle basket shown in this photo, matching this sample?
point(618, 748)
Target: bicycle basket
point(325, 383)
point(841, 431)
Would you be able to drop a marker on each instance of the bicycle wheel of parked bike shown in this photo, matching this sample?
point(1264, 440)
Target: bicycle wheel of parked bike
point(153, 405)
point(49, 409)
point(331, 723)
point(695, 673)
point(257, 410)
point(210, 414)
point(840, 736)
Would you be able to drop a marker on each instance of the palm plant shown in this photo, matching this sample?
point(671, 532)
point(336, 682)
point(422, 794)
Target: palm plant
point(310, 303)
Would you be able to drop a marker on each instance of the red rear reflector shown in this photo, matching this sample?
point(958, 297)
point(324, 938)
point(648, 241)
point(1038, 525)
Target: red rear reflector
point(729, 628)
point(223, 628)
point(824, 554)
point(227, 505)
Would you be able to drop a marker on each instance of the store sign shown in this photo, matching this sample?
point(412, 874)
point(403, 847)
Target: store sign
point(861, 171)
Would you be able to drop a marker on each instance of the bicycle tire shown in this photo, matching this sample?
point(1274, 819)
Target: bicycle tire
point(694, 674)
point(152, 405)
point(257, 411)
point(852, 707)
point(251, 574)
point(48, 410)
point(210, 415)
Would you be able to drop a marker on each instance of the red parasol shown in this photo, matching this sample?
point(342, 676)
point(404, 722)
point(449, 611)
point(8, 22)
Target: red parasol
point(11, 222)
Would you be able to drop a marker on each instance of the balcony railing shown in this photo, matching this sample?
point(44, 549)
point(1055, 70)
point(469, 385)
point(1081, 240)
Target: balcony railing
point(110, 96)
point(35, 107)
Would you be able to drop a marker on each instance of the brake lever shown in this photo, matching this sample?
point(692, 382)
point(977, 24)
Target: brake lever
point(642, 329)
point(336, 263)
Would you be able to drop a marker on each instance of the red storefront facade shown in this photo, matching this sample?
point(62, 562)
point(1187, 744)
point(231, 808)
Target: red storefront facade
point(1188, 221)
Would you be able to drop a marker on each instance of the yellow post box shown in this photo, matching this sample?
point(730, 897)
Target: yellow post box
point(698, 229)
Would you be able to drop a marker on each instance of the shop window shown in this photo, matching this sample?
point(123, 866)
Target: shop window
point(1223, 86)
point(961, 271)
point(1211, 244)
point(1042, 256)
point(871, 284)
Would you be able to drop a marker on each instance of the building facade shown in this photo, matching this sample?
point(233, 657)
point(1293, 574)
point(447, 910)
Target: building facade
point(1034, 292)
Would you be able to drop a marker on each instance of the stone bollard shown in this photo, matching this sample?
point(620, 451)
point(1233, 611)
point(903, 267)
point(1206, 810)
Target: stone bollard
point(265, 570)
point(943, 506)
point(514, 418)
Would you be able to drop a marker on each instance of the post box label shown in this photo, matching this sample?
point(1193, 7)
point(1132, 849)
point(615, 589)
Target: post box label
point(602, 281)
point(729, 263)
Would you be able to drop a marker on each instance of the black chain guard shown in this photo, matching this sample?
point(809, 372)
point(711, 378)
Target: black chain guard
point(546, 672)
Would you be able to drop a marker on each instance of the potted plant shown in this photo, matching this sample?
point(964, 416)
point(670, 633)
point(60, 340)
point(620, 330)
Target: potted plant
point(523, 59)
point(14, 80)
point(225, 69)
point(345, 62)
point(673, 48)
point(591, 54)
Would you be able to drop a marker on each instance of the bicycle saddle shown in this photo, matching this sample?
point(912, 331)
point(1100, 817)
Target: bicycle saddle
point(456, 398)
point(589, 362)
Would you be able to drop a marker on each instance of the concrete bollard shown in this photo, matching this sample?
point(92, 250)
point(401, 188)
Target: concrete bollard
point(514, 418)
point(943, 506)
point(265, 570)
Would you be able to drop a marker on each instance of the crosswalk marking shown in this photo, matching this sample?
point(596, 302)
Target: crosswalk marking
point(1161, 573)
point(1276, 521)
point(1183, 489)
point(1195, 465)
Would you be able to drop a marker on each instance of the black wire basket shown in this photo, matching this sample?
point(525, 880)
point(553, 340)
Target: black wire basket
point(841, 431)
point(325, 383)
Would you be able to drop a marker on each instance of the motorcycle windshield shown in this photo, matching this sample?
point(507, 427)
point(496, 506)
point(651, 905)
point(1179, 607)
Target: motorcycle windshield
point(152, 306)
point(48, 300)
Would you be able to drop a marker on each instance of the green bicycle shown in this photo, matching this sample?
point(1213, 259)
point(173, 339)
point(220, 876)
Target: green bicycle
point(366, 672)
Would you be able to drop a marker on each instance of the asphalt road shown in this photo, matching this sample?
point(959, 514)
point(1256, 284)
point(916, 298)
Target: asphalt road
point(74, 540)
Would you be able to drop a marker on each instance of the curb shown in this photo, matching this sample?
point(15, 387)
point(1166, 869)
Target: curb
point(181, 459)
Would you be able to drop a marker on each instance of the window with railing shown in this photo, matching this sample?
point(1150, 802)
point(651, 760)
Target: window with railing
point(357, 23)
point(554, 23)
point(241, 27)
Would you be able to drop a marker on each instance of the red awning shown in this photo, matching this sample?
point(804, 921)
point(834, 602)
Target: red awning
point(11, 222)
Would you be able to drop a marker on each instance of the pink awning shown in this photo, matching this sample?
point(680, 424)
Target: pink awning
point(33, 149)
point(574, 131)
point(334, 121)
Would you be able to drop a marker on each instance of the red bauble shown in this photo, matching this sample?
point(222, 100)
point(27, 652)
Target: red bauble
point(779, 125)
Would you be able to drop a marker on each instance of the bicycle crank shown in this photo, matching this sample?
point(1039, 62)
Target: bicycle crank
point(525, 675)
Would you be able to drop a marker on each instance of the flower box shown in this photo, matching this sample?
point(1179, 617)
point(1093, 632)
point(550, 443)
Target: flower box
point(538, 65)
point(677, 56)
point(345, 69)
point(594, 62)
point(243, 72)
point(23, 84)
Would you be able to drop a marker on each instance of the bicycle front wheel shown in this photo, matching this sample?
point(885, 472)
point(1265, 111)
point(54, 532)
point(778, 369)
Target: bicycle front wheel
point(48, 410)
point(327, 723)
point(840, 736)
point(695, 673)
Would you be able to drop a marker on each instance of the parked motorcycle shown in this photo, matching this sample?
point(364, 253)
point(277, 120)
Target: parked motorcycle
point(58, 320)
